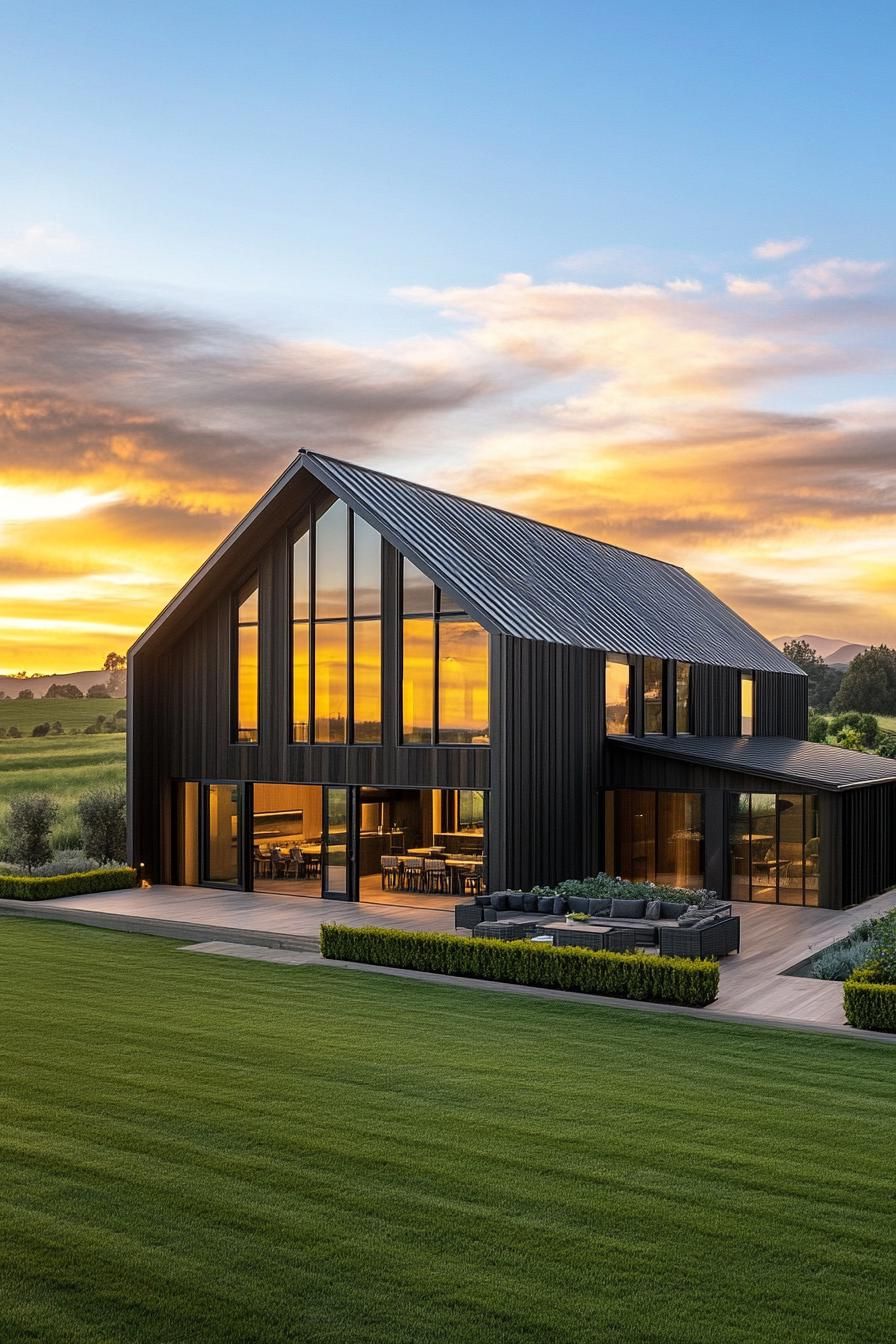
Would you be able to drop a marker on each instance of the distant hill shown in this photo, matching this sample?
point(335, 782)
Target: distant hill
point(835, 652)
point(40, 685)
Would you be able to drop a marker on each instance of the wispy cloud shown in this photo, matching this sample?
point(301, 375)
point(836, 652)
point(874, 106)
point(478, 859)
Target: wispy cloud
point(36, 244)
point(684, 286)
point(745, 288)
point(773, 249)
point(838, 277)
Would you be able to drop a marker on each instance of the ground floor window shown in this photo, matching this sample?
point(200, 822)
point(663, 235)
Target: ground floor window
point(774, 844)
point(654, 835)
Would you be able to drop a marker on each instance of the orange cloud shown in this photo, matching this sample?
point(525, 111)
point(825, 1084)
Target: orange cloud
point(672, 418)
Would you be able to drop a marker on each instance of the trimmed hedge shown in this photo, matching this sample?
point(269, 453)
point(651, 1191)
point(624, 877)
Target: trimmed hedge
point(868, 1003)
point(66, 884)
point(621, 975)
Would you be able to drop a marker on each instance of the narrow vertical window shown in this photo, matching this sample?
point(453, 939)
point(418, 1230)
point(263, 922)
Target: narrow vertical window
point(617, 693)
point(682, 698)
point(246, 639)
point(331, 624)
point(417, 655)
point(463, 680)
point(654, 695)
point(746, 704)
point(367, 602)
point(301, 651)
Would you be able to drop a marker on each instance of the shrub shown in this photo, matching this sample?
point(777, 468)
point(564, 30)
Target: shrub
point(28, 827)
point(625, 975)
point(868, 1003)
point(102, 814)
point(602, 885)
point(884, 938)
point(70, 884)
point(65, 691)
point(839, 961)
point(40, 730)
point(13, 731)
point(98, 692)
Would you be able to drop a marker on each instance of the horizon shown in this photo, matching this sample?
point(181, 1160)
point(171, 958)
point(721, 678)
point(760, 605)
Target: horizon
point(504, 253)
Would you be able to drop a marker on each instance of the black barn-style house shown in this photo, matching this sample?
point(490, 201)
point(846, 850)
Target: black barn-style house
point(367, 667)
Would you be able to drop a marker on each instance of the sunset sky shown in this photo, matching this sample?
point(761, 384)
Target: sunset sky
point(630, 269)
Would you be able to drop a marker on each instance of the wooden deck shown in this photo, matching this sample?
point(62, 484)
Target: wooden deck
point(774, 938)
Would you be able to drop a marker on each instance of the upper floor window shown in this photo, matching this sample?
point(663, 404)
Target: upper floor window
point(682, 698)
point(444, 666)
point(245, 696)
point(746, 704)
point(337, 634)
point(617, 693)
point(654, 695)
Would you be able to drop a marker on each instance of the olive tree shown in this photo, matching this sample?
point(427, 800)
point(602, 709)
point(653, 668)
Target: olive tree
point(102, 813)
point(28, 829)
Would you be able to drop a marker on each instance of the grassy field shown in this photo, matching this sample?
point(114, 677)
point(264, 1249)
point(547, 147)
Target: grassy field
point(65, 767)
point(887, 722)
point(210, 1150)
point(70, 713)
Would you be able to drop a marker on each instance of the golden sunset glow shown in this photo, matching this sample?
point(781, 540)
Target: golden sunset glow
point(682, 420)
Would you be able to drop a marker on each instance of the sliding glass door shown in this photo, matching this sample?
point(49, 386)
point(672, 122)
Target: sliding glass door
point(222, 835)
point(340, 831)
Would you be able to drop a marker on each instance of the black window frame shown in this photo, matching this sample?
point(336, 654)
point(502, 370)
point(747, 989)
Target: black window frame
point(437, 616)
point(235, 626)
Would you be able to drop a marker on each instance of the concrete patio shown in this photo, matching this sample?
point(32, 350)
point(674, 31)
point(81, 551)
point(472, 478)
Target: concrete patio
point(774, 938)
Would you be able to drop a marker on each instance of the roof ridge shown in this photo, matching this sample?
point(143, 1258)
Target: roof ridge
point(492, 508)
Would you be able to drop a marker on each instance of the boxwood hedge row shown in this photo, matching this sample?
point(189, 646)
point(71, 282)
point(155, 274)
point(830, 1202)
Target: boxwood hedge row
point(867, 1002)
point(621, 975)
point(68, 884)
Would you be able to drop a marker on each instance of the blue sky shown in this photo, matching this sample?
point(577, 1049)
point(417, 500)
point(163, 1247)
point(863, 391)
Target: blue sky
point(299, 161)
point(628, 268)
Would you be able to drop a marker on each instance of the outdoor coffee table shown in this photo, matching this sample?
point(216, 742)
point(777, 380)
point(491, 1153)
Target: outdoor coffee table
point(505, 929)
point(599, 937)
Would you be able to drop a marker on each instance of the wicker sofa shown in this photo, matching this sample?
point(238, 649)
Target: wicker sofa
point(518, 907)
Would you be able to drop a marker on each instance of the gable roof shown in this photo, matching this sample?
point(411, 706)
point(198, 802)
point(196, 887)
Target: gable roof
point(526, 578)
point(787, 759)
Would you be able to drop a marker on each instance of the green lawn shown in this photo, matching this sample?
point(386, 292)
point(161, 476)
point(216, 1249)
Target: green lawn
point(887, 722)
point(196, 1149)
point(65, 767)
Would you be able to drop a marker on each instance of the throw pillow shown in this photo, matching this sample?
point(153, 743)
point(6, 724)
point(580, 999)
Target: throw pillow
point(483, 901)
point(600, 906)
point(654, 910)
point(530, 902)
point(499, 900)
point(515, 900)
point(546, 905)
point(560, 906)
point(579, 904)
point(672, 909)
point(627, 909)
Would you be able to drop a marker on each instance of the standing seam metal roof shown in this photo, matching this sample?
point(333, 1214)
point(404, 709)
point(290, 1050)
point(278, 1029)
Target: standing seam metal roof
point(541, 582)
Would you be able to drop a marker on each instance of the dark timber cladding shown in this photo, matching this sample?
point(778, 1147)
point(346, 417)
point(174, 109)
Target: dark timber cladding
point(554, 605)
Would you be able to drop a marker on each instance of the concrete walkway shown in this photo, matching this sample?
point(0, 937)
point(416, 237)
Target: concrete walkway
point(752, 987)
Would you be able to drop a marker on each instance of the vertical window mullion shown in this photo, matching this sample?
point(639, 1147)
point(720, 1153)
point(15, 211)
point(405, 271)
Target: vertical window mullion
point(435, 668)
point(350, 629)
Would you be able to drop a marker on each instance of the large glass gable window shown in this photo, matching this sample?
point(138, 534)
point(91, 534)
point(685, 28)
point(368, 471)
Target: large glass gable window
point(444, 667)
point(337, 635)
point(245, 690)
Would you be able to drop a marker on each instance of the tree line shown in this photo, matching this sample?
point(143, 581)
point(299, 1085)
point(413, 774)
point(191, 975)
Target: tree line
point(868, 685)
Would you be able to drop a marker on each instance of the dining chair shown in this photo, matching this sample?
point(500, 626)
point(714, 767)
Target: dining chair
point(435, 875)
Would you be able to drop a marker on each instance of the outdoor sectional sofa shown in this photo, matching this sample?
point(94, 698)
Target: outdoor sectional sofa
point(713, 931)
